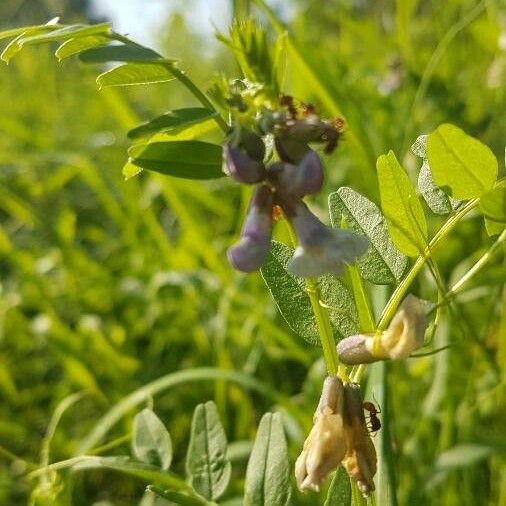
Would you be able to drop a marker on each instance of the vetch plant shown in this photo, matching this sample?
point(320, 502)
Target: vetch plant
point(322, 282)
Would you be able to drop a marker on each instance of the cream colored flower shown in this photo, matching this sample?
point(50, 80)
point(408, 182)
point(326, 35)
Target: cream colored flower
point(325, 446)
point(404, 335)
point(360, 460)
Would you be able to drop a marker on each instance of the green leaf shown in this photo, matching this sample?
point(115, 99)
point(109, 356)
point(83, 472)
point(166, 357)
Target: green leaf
point(207, 465)
point(66, 32)
point(144, 472)
point(401, 207)
point(463, 166)
point(383, 263)
point(186, 159)
point(14, 46)
point(123, 52)
point(289, 294)
point(268, 472)
point(131, 74)
point(14, 32)
point(172, 121)
point(493, 203)
point(77, 45)
point(339, 493)
point(151, 441)
point(435, 197)
point(176, 497)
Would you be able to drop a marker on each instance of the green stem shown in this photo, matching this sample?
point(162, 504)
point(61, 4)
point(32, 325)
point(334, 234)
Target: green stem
point(487, 256)
point(324, 330)
point(322, 321)
point(402, 288)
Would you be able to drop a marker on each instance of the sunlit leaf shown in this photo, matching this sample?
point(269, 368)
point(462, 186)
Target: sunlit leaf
point(172, 121)
point(65, 33)
point(401, 207)
point(186, 159)
point(151, 442)
point(383, 263)
point(15, 45)
point(131, 74)
point(77, 45)
point(207, 465)
point(493, 203)
point(460, 164)
point(268, 472)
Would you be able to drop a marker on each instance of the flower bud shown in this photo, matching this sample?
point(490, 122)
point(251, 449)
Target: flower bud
point(360, 460)
point(404, 335)
point(306, 178)
point(241, 167)
point(321, 250)
point(325, 446)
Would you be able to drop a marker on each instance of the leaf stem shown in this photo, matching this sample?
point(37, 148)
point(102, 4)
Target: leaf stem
point(324, 330)
point(402, 288)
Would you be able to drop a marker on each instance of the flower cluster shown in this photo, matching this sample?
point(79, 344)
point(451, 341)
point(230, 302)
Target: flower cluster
point(339, 436)
point(285, 183)
point(404, 335)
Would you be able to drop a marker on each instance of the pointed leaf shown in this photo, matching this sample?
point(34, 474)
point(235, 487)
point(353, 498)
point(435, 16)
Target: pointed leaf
point(268, 472)
point(339, 493)
point(124, 52)
point(77, 45)
point(66, 33)
point(151, 441)
point(186, 159)
point(207, 465)
point(401, 207)
point(15, 45)
point(289, 294)
point(460, 164)
point(172, 121)
point(383, 263)
point(131, 74)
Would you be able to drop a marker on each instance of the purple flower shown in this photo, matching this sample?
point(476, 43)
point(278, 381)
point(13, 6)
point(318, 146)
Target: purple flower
point(322, 250)
point(241, 167)
point(251, 251)
point(306, 178)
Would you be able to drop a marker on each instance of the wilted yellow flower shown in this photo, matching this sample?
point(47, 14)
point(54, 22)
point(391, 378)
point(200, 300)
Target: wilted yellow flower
point(325, 446)
point(360, 459)
point(404, 335)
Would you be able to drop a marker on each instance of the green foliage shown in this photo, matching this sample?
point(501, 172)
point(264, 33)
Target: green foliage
point(383, 263)
point(207, 465)
point(151, 442)
point(460, 164)
point(289, 294)
point(124, 288)
point(339, 493)
point(267, 476)
point(401, 207)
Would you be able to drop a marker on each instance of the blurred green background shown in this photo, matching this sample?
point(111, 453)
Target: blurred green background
point(106, 285)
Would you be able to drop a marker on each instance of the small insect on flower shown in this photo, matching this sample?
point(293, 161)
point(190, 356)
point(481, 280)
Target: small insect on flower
point(373, 424)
